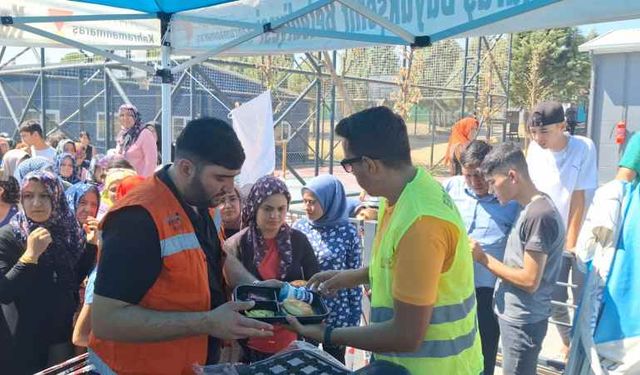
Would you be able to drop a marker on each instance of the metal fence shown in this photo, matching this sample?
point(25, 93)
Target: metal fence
point(431, 87)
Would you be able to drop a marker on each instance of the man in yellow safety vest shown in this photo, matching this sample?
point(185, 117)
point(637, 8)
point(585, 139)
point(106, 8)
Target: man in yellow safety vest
point(423, 305)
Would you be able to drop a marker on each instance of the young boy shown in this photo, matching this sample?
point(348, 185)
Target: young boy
point(528, 273)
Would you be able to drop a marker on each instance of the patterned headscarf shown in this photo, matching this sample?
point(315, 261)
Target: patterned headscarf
point(264, 188)
point(79, 190)
point(128, 137)
point(68, 239)
point(36, 163)
point(329, 192)
point(62, 143)
point(58, 163)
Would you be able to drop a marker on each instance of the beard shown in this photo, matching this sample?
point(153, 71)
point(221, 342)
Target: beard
point(196, 195)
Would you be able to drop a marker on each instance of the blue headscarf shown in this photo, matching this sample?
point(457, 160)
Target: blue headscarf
point(330, 194)
point(36, 163)
point(79, 190)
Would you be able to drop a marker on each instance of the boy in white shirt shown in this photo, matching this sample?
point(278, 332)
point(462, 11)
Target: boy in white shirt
point(564, 167)
point(32, 134)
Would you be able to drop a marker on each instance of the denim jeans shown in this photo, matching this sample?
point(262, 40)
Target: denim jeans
point(521, 345)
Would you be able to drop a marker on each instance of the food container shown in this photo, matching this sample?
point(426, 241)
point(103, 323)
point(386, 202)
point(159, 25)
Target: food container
point(267, 299)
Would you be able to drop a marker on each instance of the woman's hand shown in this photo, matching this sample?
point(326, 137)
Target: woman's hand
point(37, 242)
point(91, 230)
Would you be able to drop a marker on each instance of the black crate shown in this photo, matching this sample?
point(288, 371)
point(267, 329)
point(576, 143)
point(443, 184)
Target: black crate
point(295, 362)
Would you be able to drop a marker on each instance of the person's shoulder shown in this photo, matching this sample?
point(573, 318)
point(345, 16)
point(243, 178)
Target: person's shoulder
point(582, 143)
point(301, 224)
point(134, 215)
point(543, 208)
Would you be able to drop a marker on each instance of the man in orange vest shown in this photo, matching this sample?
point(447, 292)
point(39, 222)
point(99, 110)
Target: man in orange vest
point(159, 304)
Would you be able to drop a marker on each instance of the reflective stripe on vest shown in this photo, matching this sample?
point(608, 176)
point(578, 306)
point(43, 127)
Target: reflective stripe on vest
point(441, 348)
point(181, 242)
point(451, 344)
point(439, 315)
point(98, 365)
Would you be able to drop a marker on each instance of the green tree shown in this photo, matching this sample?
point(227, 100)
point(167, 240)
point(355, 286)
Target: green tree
point(549, 63)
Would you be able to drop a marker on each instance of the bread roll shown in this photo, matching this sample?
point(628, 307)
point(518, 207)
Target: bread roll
point(297, 308)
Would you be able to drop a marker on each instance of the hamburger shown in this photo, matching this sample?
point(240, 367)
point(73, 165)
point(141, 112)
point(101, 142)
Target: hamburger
point(296, 307)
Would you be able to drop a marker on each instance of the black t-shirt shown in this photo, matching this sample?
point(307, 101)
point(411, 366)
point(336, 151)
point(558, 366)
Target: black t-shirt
point(131, 259)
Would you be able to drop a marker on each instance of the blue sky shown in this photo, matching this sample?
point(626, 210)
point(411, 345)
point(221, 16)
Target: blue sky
point(602, 28)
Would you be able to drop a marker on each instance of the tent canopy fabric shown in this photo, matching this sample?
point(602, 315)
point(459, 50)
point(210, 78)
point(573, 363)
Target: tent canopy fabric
point(251, 27)
point(619, 41)
point(157, 6)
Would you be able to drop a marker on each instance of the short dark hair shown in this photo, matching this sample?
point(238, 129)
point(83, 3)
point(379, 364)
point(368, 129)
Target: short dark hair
point(474, 153)
point(377, 133)
point(84, 132)
point(32, 126)
point(11, 193)
point(504, 157)
point(210, 140)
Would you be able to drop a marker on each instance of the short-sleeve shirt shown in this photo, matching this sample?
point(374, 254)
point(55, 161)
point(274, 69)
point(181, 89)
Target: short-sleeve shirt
point(539, 229)
point(425, 251)
point(88, 292)
point(49, 153)
point(559, 174)
point(486, 221)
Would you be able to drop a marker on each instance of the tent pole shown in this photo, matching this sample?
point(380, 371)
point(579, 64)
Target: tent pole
point(165, 56)
point(108, 118)
point(317, 127)
point(43, 94)
point(333, 115)
point(192, 98)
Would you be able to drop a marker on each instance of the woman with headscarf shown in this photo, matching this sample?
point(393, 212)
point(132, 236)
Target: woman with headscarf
point(65, 167)
point(337, 246)
point(33, 164)
point(270, 249)
point(9, 198)
point(463, 132)
point(84, 200)
point(136, 142)
point(230, 207)
point(12, 159)
point(66, 146)
point(98, 170)
point(39, 253)
point(108, 194)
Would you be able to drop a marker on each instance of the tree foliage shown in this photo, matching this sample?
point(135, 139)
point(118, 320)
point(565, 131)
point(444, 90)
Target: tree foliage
point(547, 65)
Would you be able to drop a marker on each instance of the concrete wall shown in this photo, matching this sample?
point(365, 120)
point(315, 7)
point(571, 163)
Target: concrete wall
point(616, 97)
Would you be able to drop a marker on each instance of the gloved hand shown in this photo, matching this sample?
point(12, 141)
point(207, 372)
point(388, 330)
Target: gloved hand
point(631, 156)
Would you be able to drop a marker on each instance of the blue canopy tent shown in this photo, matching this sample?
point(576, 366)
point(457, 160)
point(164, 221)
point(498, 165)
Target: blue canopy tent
point(205, 28)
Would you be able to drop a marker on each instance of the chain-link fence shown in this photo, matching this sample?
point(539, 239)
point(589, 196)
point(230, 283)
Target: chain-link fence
point(431, 88)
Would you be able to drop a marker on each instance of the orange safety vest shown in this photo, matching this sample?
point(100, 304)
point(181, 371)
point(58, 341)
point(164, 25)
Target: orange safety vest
point(182, 285)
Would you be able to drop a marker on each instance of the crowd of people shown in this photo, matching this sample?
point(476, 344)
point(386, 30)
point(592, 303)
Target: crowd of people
point(121, 257)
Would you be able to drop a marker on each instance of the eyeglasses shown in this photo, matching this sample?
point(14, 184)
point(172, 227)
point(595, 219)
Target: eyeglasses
point(347, 164)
